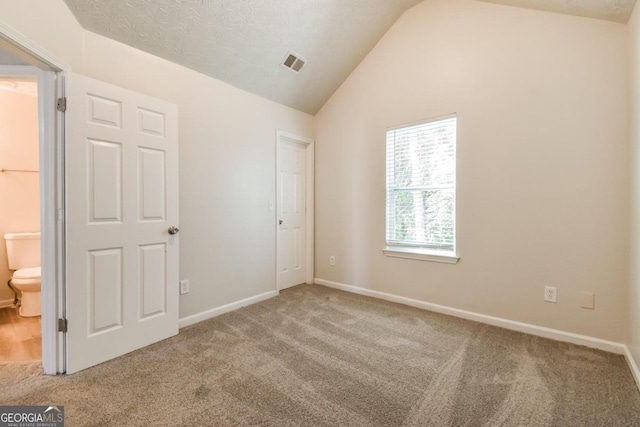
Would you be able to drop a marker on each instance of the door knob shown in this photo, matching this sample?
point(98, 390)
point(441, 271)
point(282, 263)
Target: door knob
point(173, 230)
point(280, 222)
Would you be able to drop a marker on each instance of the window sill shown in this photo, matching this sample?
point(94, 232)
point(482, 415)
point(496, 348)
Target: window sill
point(421, 254)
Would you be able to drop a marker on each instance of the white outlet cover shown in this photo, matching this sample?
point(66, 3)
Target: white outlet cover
point(550, 294)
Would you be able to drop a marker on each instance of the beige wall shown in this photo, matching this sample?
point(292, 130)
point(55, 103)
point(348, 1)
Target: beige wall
point(19, 192)
point(542, 184)
point(633, 339)
point(49, 24)
point(227, 171)
point(542, 170)
point(226, 146)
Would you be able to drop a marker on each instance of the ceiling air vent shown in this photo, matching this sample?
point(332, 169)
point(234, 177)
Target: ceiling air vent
point(293, 62)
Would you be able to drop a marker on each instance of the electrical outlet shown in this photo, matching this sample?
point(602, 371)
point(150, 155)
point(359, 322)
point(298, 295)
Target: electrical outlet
point(550, 294)
point(184, 287)
point(332, 260)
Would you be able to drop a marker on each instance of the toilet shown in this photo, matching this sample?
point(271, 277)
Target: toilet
point(23, 254)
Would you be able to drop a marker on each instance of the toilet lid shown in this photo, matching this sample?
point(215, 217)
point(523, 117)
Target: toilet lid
point(27, 273)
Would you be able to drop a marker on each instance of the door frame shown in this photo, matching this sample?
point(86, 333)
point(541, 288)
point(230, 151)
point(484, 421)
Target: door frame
point(48, 69)
point(309, 145)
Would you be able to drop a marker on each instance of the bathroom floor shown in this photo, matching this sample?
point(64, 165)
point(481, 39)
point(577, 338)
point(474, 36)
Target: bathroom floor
point(20, 337)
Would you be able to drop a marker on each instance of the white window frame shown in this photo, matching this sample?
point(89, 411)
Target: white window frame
point(420, 251)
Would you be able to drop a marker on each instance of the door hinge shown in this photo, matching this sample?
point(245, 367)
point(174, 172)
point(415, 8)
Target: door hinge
point(61, 104)
point(62, 325)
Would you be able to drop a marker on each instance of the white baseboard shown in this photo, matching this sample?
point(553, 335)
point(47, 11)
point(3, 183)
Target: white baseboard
point(632, 365)
point(6, 303)
point(527, 328)
point(214, 312)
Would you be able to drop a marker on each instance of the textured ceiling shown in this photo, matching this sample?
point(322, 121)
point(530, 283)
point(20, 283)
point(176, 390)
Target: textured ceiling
point(610, 10)
point(243, 42)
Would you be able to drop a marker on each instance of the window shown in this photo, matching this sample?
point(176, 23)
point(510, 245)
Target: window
point(421, 190)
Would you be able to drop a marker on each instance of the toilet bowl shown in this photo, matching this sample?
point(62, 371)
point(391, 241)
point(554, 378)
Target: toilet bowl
point(23, 254)
point(27, 281)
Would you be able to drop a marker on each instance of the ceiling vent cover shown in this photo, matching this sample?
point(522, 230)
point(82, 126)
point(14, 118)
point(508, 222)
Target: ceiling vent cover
point(293, 62)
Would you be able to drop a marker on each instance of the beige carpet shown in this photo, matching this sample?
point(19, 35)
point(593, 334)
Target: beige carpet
point(319, 357)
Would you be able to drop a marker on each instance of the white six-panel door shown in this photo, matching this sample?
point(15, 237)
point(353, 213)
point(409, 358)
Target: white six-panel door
point(122, 197)
point(291, 239)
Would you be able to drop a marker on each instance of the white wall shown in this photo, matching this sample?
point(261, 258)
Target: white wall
point(19, 192)
point(542, 170)
point(633, 339)
point(227, 171)
point(226, 146)
point(49, 24)
point(542, 185)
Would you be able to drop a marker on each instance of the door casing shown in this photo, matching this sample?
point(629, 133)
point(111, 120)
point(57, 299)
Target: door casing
point(48, 70)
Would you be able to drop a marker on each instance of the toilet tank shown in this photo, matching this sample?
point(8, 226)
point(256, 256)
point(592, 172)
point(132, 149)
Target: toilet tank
point(23, 250)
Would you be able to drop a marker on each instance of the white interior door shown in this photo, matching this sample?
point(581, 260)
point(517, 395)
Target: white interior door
point(121, 199)
point(291, 240)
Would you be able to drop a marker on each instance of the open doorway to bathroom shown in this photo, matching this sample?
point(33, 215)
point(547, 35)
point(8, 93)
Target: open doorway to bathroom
point(20, 313)
point(21, 63)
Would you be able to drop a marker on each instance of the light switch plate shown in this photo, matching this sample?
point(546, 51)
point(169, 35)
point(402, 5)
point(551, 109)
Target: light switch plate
point(184, 287)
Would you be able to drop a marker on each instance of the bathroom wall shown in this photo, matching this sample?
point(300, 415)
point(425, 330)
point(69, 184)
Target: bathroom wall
point(19, 192)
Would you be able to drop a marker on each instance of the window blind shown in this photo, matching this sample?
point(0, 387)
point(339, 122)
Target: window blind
point(421, 184)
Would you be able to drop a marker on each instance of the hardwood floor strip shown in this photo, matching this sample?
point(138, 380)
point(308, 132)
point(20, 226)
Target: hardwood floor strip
point(20, 337)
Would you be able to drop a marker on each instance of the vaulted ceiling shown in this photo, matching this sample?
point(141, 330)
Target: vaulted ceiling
point(244, 42)
point(610, 10)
